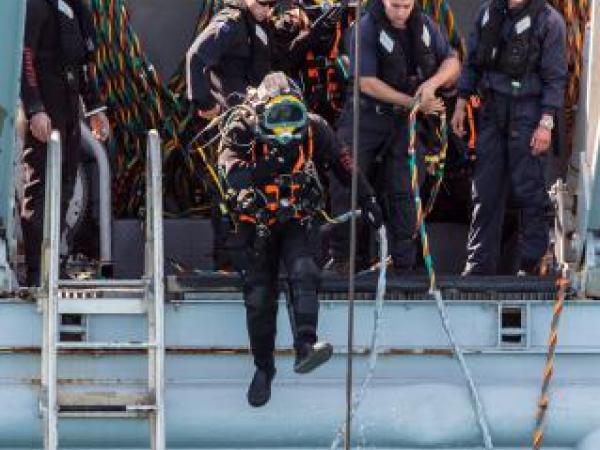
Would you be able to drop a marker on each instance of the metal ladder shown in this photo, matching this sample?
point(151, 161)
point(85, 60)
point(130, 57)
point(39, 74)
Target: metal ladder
point(114, 297)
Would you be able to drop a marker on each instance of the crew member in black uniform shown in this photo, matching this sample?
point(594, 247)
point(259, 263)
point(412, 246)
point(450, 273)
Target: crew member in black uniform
point(57, 58)
point(306, 43)
point(294, 35)
point(518, 60)
point(403, 55)
point(270, 162)
point(231, 54)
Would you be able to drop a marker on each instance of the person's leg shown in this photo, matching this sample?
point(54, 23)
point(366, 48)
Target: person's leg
point(527, 176)
point(34, 193)
point(221, 227)
point(400, 203)
point(303, 277)
point(339, 242)
point(71, 156)
point(374, 136)
point(260, 290)
point(259, 279)
point(489, 192)
point(32, 207)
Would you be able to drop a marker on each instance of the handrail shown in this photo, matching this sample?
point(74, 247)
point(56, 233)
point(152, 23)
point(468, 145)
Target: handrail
point(98, 152)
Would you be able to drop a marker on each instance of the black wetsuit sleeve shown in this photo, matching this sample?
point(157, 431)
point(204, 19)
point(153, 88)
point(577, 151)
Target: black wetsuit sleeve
point(298, 49)
point(206, 52)
point(37, 14)
point(319, 40)
point(470, 74)
point(329, 153)
point(554, 65)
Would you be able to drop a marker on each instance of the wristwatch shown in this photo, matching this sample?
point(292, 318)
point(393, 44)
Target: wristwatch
point(547, 122)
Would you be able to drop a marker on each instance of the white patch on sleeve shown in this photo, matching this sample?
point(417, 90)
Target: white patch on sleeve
point(386, 41)
point(261, 34)
point(486, 17)
point(65, 9)
point(523, 25)
point(426, 37)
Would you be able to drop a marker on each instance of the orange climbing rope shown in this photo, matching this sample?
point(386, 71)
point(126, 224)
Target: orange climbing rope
point(538, 434)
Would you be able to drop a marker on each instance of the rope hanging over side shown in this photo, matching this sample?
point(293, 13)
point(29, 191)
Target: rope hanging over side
point(538, 434)
point(376, 333)
point(416, 189)
point(434, 291)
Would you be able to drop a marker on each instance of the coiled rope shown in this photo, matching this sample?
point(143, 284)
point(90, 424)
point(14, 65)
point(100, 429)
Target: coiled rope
point(439, 164)
point(138, 101)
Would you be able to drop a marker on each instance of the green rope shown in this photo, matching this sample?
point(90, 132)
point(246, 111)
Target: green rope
point(137, 101)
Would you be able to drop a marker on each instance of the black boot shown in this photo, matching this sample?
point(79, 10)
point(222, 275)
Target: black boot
point(259, 391)
point(311, 356)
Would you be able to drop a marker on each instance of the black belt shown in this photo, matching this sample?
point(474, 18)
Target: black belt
point(381, 108)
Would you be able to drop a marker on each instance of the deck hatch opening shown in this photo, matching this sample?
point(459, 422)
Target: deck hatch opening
point(72, 328)
point(512, 328)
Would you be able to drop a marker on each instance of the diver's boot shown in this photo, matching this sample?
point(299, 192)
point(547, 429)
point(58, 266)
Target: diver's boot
point(310, 356)
point(259, 391)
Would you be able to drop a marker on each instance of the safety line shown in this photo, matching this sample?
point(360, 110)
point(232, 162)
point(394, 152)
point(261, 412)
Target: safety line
point(542, 408)
point(434, 291)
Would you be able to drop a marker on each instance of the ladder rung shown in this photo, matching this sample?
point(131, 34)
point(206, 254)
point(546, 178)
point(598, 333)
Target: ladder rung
point(513, 331)
point(102, 414)
point(99, 404)
point(102, 306)
point(103, 284)
point(141, 408)
point(105, 345)
point(72, 329)
point(124, 412)
point(69, 398)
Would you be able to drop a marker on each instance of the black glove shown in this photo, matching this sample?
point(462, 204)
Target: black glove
point(371, 212)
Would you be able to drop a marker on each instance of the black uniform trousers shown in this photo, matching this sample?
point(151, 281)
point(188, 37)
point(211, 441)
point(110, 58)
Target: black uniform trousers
point(383, 158)
point(34, 169)
point(259, 259)
point(507, 171)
